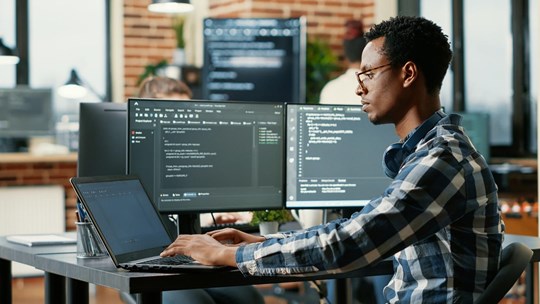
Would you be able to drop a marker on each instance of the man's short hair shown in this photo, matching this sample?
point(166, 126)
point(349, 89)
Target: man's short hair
point(418, 40)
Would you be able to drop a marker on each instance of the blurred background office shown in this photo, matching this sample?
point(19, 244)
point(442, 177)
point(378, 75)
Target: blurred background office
point(108, 47)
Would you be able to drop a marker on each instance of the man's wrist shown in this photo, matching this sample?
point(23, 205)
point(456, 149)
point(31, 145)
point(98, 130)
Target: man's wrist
point(228, 256)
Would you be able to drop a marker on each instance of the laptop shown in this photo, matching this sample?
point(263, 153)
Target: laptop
point(129, 224)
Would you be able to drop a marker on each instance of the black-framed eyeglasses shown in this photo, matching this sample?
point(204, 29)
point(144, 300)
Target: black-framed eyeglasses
point(367, 74)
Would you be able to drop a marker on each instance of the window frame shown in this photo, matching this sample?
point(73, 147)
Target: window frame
point(521, 75)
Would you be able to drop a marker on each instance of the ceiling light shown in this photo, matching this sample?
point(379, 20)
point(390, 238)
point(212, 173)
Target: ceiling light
point(170, 7)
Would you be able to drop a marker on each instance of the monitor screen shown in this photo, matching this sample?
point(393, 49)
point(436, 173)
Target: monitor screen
point(26, 112)
point(254, 59)
point(334, 156)
point(203, 156)
point(102, 139)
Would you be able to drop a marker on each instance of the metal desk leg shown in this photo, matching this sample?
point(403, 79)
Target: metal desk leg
point(344, 291)
point(149, 297)
point(77, 292)
point(55, 288)
point(5, 281)
point(529, 284)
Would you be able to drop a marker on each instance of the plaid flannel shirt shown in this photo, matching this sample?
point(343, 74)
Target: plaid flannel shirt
point(439, 218)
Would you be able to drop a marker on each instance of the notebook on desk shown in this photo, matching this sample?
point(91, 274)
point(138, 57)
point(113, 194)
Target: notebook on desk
point(129, 224)
point(31, 240)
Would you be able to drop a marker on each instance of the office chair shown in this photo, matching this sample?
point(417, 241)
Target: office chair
point(292, 292)
point(515, 257)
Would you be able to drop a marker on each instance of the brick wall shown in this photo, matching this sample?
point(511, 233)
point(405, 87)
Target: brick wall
point(43, 172)
point(325, 18)
point(149, 37)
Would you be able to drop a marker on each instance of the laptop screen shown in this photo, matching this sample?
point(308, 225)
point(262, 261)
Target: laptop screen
point(124, 214)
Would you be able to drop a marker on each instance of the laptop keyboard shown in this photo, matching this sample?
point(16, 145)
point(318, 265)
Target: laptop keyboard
point(175, 260)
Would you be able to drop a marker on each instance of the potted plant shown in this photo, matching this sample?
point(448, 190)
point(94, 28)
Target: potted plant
point(269, 220)
point(320, 64)
point(151, 70)
point(179, 56)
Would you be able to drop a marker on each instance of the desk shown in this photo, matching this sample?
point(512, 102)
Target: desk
point(22, 254)
point(62, 268)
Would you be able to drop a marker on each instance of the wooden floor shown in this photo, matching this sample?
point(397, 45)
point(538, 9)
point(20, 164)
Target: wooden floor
point(31, 291)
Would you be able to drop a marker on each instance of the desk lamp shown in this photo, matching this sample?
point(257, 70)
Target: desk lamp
point(170, 6)
point(7, 55)
point(75, 88)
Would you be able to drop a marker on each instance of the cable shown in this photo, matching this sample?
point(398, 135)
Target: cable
point(213, 218)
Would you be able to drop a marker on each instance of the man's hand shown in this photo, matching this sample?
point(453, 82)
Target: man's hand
point(202, 248)
point(234, 237)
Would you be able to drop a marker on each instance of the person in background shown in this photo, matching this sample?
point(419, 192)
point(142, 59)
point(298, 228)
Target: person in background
point(169, 88)
point(338, 90)
point(439, 217)
point(164, 87)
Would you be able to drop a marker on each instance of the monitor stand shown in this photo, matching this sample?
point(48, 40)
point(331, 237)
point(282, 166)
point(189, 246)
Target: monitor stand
point(181, 223)
point(189, 223)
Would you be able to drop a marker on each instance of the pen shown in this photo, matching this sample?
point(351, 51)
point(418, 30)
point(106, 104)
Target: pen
point(82, 214)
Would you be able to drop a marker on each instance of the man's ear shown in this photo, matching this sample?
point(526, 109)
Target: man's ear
point(409, 73)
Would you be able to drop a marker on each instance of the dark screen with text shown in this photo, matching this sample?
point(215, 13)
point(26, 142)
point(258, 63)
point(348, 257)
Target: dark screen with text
point(197, 156)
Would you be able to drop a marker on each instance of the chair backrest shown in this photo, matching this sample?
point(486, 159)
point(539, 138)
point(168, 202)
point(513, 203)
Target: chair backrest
point(514, 260)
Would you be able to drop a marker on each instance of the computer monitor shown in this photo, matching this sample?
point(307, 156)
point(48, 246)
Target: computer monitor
point(254, 59)
point(198, 156)
point(26, 112)
point(102, 139)
point(334, 156)
point(103, 143)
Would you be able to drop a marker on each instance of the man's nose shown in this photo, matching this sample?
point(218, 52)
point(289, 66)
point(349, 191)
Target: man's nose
point(359, 90)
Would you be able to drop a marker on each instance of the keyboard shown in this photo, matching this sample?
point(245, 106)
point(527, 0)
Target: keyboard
point(174, 260)
point(244, 226)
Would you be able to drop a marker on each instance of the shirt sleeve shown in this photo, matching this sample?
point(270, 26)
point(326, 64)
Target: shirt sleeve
point(427, 195)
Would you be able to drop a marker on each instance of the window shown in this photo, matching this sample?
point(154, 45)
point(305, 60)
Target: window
point(439, 12)
point(65, 35)
point(500, 71)
point(61, 35)
point(7, 33)
point(488, 65)
point(534, 27)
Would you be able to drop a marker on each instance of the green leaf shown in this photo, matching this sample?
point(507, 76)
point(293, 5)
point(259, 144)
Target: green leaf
point(320, 64)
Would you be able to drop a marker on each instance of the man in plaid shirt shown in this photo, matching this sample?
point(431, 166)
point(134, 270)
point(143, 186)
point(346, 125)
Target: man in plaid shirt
point(439, 217)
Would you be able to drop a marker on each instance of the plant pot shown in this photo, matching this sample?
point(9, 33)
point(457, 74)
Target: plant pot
point(179, 57)
point(268, 227)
